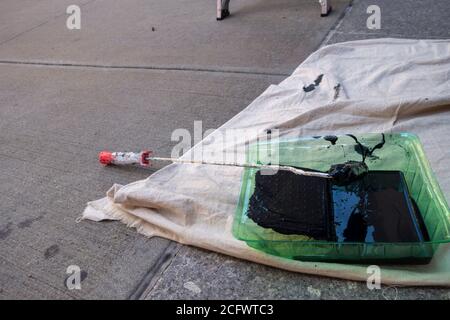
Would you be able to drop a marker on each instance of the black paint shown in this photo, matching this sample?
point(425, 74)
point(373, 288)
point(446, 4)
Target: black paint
point(318, 80)
point(5, 231)
point(345, 173)
point(337, 89)
point(375, 208)
point(28, 222)
point(365, 151)
point(309, 88)
point(312, 86)
point(331, 139)
point(292, 204)
point(51, 251)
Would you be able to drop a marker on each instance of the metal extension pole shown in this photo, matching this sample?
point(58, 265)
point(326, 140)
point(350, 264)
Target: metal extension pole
point(144, 158)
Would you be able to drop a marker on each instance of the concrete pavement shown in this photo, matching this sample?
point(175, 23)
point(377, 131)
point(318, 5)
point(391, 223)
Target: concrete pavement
point(136, 71)
point(53, 122)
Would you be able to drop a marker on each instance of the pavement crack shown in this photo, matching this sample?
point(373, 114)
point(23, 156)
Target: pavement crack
point(144, 67)
point(161, 275)
point(26, 31)
point(155, 272)
point(337, 25)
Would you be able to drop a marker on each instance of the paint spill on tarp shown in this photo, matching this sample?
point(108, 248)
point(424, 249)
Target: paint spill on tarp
point(312, 86)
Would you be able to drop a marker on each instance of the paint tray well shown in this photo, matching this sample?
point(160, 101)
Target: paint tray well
point(395, 214)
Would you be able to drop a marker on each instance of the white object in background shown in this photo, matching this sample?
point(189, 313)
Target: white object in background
point(223, 9)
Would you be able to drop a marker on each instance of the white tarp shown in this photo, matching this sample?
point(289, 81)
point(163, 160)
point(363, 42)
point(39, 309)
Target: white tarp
point(386, 85)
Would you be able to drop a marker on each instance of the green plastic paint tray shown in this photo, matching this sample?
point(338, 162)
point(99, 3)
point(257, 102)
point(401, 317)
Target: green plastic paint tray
point(401, 156)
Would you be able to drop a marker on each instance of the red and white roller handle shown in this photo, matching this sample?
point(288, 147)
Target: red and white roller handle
point(125, 158)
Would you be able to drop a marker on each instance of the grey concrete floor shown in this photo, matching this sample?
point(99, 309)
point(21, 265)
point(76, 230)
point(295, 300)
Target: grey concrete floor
point(136, 71)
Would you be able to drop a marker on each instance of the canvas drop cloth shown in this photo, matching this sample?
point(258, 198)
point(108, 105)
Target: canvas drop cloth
point(386, 85)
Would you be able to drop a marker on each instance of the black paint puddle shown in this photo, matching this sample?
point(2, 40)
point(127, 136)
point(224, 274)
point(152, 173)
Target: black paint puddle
point(376, 208)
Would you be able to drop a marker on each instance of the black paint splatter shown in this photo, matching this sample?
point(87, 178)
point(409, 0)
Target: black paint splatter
point(366, 151)
point(331, 139)
point(318, 80)
point(312, 86)
point(28, 222)
point(5, 231)
point(337, 90)
point(51, 251)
